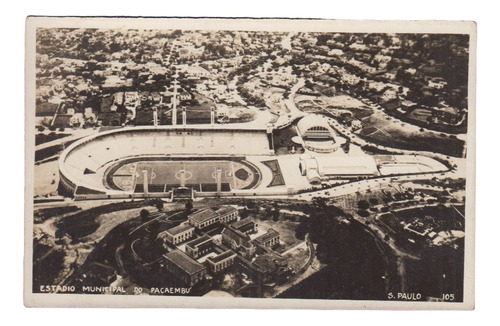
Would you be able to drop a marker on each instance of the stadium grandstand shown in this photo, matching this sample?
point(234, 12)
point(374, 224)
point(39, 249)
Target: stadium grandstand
point(85, 164)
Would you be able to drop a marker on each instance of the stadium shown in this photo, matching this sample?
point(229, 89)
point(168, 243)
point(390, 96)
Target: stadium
point(214, 160)
point(157, 161)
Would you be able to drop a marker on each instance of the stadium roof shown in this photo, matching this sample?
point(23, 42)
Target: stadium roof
point(184, 262)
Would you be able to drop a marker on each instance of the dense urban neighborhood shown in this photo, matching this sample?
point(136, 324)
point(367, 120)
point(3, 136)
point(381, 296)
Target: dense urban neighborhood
point(250, 164)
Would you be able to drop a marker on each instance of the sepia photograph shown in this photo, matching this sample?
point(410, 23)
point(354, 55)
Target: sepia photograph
point(250, 163)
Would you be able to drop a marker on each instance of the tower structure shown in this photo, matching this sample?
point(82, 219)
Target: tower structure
point(183, 178)
point(155, 117)
point(145, 182)
point(219, 181)
point(184, 116)
point(174, 105)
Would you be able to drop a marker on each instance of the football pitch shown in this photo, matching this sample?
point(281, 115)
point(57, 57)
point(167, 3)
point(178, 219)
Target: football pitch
point(195, 172)
point(199, 174)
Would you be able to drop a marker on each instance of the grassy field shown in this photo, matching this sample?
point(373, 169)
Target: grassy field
point(46, 178)
point(379, 130)
point(103, 218)
point(169, 172)
point(236, 174)
point(297, 258)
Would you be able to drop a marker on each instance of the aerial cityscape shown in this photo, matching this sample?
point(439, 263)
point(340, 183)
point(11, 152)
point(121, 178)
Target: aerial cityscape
point(255, 164)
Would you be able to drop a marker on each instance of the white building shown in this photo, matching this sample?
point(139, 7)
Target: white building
point(319, 168)
point(178, 234)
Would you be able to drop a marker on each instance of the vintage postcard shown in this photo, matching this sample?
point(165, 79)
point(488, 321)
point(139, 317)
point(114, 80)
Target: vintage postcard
point(249, 163)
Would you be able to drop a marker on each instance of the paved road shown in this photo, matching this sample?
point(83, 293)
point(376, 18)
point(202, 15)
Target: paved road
point(285, 119)
point(76, 134)
point(286, 41)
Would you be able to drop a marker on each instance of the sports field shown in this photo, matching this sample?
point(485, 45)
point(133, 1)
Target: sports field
point(200, 174)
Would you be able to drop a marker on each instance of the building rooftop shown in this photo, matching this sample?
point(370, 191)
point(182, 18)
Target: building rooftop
point(314, 122)
point(198, 241)
point(226, 210)
point(179, 229)
point(240, 238)
point(46, 109)
point(203, 215)
point(242, 223)
point(270, 234)
point(184, 262)
point(222, 256)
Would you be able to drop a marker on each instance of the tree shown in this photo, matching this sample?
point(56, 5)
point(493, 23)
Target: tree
point(244, 213)
point(276, 214)
point(363, 204)
point(319, 202)
point(250, 204)
point(144, 214)
point(59, 234)
point(189, 206)
point(363, 213)
point(268, 212)
point(154, 229)
point(115, 47)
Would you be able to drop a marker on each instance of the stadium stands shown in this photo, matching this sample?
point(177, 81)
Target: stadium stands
point(96, 152)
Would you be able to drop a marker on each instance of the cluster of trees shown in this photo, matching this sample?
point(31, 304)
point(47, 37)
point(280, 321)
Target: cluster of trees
point(365, 205)
point(250, 98)
point(354, 262)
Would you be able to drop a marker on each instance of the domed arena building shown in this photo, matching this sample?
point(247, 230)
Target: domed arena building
point(317, 135)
